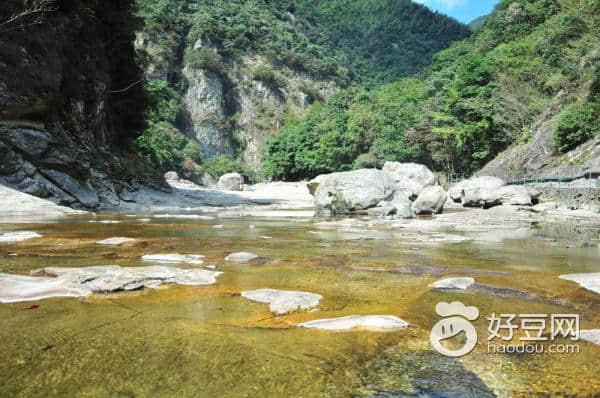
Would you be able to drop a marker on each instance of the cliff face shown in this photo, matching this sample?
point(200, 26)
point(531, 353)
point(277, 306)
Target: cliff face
point(70, 99)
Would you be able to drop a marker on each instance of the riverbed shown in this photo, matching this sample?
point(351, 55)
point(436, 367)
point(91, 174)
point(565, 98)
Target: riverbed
point(191, 341)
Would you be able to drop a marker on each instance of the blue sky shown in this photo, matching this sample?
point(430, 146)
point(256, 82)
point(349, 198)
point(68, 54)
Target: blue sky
point(463, 10)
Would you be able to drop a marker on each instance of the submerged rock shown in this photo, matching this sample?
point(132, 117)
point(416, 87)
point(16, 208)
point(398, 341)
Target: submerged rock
point(241, 257)
point(364, 322)
point(195, 259)
point(353, 191)
point(116, 241)
point(454, 283)
point(18, 236)
point(282, 302)
point(80, 282)
point(430, 201)
point(589, 281)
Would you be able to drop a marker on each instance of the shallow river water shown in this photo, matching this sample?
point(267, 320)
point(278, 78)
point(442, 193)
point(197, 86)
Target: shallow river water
point(208, 341)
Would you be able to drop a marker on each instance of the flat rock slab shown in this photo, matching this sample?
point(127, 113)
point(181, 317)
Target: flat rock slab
point(589, 281)
point(195, 259)
point(454, 283)
point(283, 302)
point(80, 282)
point(116, 241)
point(591, 336)
point(10, 237)
point(184, 216)
point(364, 322)
point(241, 257)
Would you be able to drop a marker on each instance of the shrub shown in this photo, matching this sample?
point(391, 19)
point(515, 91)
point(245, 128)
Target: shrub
point(365, 161)
point(205, 59)
point(577, 123)
point(220, 165)
point(270, 78)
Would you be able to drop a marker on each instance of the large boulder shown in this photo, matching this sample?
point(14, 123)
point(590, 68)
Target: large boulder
point(353, 191)
point(411, 177)
point(476, 183)
point(313, 184)
point(430, 201)
point(171, 176)
point(231, 182)
point(82, 191)
point(505, 195)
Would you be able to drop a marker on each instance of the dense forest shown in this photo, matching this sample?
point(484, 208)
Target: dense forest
point(352, 43)
point(479, 96)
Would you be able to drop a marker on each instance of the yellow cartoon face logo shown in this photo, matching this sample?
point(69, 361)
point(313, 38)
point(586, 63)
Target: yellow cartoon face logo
point(456, 320)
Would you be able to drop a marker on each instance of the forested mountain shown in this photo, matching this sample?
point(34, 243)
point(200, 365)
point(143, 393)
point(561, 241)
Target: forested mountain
point(225, 75)
point(531, 69)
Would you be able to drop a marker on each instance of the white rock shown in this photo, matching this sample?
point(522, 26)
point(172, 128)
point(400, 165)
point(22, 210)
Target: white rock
point(430, 201)
point(592, 336)
point(241, 257)
point(589, 281)
point(115, 241)
point(195, 259)
point(483, 182)
point(218, 226)
point(16, 288)
point(283, 302)
point(366, 322)
point(18, 236)
point(454, 283)
point(184, 216)
point(80, 282)
point(231, 182)
point(411, 178)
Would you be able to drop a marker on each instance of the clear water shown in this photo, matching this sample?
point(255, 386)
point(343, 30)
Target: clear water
point(202, 341)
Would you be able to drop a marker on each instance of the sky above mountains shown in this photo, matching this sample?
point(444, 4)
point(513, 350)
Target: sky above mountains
point(463, 10)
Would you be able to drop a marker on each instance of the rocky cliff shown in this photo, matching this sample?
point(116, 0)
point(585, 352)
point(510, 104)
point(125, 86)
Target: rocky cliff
point(70, 100)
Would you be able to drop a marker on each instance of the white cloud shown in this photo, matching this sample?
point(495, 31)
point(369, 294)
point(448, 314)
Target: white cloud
point(449, 4)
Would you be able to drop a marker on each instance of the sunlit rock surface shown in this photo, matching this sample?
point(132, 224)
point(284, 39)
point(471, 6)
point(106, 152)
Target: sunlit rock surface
point(80, 282)
point(241, 257)
point(116, 241)
point(18, 236)
point(281, 301)
point(454, 283)
point(195, 259)
point(363, 322)
point(589, 281)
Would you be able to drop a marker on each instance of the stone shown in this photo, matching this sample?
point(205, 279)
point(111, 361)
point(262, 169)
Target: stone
point(430, 201)
point(18, 205)
point(207, 181)
point(171, 176)
point(11, 162)
point(411, 177)
point(241, 257)
point(231, 182)
point(353, 191)
point(82, 191)
point(590, 281)
point(107, 193)
point(514, 195)
point(195, 259)
point(18, 288)
point(591, 336)
point(18, 236)
point(363, 322)
point(454, 283)
point(30, 142)
point(313, 184)
point(80, 282)
point(481, 182)
point(283, 302)
point(116, 241)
